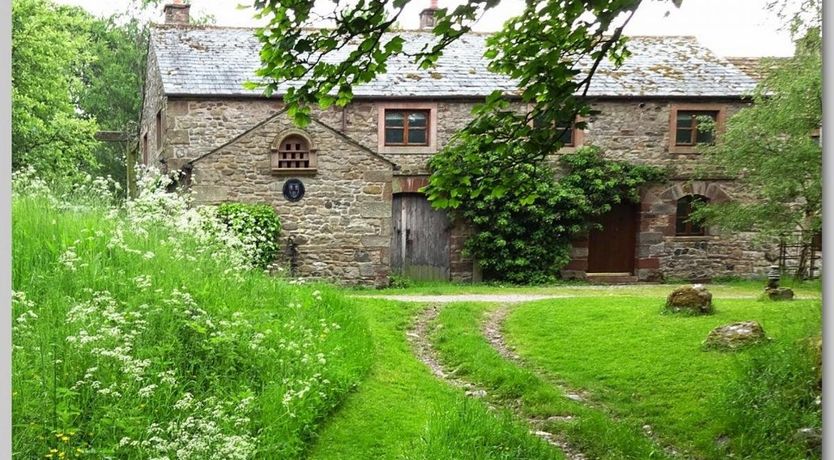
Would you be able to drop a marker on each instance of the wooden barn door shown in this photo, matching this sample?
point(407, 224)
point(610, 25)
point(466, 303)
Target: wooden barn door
point(611, 249)
point(420, 240)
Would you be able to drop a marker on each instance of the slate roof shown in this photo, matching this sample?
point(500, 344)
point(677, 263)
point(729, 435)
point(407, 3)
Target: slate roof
point(755, 67)
point(209, 61)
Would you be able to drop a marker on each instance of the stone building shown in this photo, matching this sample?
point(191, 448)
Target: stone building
point(361, 216)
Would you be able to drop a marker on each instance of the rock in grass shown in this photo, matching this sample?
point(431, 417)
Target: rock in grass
point(734, 336)
point(779, 293)
point(811, 437)
point(694, 299)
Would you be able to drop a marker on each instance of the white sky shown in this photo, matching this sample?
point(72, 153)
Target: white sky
point(727, 27)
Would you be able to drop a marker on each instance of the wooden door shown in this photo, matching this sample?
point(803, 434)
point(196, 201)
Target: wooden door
point(420, 240)
point(611, 249)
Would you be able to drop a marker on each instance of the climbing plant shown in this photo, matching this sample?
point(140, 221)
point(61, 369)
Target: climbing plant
point(523, 233)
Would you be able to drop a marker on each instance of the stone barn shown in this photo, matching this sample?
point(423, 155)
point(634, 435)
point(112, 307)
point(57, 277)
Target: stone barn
point(347, 186)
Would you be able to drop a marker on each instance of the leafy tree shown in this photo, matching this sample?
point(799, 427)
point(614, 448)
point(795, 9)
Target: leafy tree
point(112, 85)
point(113, 82)
point(770, 149)
point(49, 132)
point(73, 75)
point(542, 48)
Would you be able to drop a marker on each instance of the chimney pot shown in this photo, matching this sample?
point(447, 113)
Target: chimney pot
point(427, 16)
point(177, 12)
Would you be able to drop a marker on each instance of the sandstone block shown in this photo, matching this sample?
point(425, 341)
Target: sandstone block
point(779, 293)
point(735, 336)
point(694, 299)
point(374, 209)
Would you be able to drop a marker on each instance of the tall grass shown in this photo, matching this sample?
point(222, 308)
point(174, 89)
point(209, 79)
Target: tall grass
point(468, 430)
point(773, 407)
point(136, 337)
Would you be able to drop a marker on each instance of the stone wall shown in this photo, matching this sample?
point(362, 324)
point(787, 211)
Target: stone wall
point(154, 101)
point(639, 131)
point(343, 224)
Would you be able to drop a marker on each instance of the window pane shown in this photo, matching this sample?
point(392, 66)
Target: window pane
point(682, 215)
point(417, 136)
point(393, 118)
point(685, 119)
point(417, 119)
point(683, 224)
point(393, 135)
point(566, 135)
point(696, 228)
point(704, 137)
point(683, 137)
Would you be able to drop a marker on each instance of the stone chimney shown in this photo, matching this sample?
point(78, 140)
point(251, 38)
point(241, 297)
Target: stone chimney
point(427, 16)
point(177, 12)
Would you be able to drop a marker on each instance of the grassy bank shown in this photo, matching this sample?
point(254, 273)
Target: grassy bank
point(134, 340)
point(650, 369)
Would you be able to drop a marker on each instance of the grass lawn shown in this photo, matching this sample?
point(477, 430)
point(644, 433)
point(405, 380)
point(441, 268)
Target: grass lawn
point(648, 367)
point(402, 411)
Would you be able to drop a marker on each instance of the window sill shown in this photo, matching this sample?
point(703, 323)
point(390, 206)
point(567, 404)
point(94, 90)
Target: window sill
point(294, 172)
point(685, 150)
point(694, 238)
point(406, 149)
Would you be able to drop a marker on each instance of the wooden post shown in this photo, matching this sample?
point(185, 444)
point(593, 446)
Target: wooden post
point(130, 155)
point(130, 160)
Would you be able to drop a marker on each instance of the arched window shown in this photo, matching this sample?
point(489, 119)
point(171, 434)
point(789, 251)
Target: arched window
point(293, 153)
point(683, 225)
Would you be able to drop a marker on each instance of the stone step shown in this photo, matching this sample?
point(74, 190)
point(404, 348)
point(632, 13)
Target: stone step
point(611, 278)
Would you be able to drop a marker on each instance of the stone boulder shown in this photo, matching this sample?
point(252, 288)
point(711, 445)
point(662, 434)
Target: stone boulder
point(811, 437)
point(779, 293)
point(690, 299)
point(735, 335)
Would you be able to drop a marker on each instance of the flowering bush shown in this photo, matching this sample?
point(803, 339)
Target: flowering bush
point(141, 330)
point(257, 224)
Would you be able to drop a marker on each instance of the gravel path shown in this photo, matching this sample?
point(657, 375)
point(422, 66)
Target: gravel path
point(450, 298)
point(418, 335)
point(510, 298)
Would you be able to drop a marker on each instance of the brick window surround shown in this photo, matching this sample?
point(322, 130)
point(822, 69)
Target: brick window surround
point(683, 226)
point(406, 127)
point(431, 132)
point(718, 109)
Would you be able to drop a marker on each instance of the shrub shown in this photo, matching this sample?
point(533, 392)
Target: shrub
point(399, 282)
point(255, 223)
